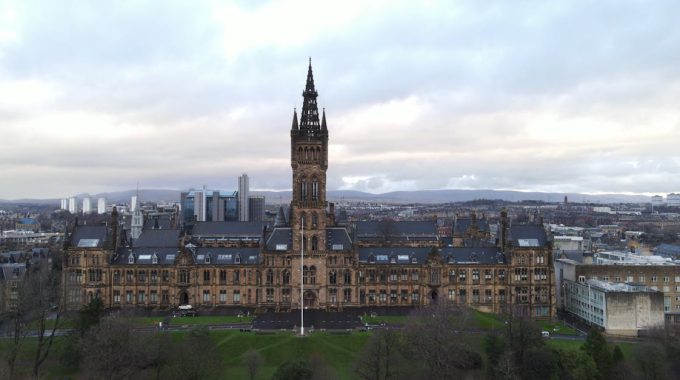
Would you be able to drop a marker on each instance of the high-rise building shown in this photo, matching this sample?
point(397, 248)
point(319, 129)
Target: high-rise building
point(101, 206)
point(87, 205)
point(673, 200)
point(73, 205)
point(255, 208)
point(243, 194)
point(64, 204)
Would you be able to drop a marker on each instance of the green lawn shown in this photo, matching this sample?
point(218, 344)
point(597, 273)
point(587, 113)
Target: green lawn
point(339, 350)
point(488, 321)
point(192, 321)
point(391, 319)
point(557, 327)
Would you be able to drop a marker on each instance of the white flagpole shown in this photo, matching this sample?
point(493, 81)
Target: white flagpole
point(302, 280)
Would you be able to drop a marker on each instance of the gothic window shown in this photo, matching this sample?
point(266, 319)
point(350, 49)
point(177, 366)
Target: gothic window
point(315, 219)
point(315, 243)
point(332, 277)
point(312, 275)
point(306, 153)
point(303, 189)
point(305, 274)
point(318, 153)
point(348, 277)
point(300, 154)
point(315, 189)
point(270, 277)
point(286, 277)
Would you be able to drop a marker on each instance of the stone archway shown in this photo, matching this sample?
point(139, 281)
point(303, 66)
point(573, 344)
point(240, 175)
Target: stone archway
point(309, 299)
point(183, 298)
point(434, 296)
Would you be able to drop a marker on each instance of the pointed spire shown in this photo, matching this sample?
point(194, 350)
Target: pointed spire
point(310, 112)
point(323, 120)
point(295, 121)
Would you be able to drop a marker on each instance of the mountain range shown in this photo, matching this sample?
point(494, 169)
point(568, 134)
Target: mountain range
point(418, 196)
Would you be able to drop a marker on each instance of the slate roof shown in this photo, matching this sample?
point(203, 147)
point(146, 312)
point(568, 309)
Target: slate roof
point(666, 249)
point(89, 236)
point(12, 271)
point(228, 229)
point(157, 238)
point(145, 255)
point(164, 222)
point(571, 255)
point(405, 255)
point(399, 230)
point(472, 255)
point(226, 256)
point(279, 237)
point(401, 255)
point(463, 224)
point(527, 235)
point(337, 239)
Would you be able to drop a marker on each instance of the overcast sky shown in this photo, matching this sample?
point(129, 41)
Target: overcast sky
point(546, 96)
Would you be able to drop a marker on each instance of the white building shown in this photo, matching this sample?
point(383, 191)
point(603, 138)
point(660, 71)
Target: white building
point(87, 205)
point(64, 204)
point(673, 200)
point(243, 192)
point(657, 200)
point(101, 206)
point(73, 205)
point(133, 203)
point(619, 308)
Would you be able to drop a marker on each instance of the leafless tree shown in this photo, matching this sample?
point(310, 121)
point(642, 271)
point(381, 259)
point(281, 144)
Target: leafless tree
point(435, 340)
point(252, 359)
point(37, 302)
point(379, 357)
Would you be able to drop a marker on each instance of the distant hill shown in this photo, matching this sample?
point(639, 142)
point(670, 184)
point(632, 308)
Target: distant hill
point(419, 196)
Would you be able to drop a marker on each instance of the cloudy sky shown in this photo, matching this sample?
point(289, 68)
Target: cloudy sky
point(573, 96)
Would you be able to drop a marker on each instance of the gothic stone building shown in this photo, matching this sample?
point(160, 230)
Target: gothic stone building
point(341, 264)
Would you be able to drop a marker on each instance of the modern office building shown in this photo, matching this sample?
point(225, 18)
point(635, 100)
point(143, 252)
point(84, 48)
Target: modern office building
point(64, 204)
point(673, 200)
point(256, 208)
point(243, 195)
point(618, 308)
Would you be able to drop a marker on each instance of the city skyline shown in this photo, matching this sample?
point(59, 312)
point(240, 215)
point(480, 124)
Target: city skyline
point(562, 97)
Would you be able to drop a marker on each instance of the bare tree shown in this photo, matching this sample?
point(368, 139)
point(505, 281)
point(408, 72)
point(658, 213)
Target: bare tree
point(379, 356)
point(37, 295)
point(435, 340)
point(252, 359)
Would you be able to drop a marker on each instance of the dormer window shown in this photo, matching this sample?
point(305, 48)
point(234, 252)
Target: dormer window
point(154, 259)
point(237, 259)
point(207, 259)
point(131, 259)
point(414, 260)
point(393, 259)
point(371, 259)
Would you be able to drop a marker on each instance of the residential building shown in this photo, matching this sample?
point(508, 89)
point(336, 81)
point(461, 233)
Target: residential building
point(243, 198)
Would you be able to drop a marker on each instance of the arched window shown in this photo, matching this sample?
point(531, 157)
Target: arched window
point(270, 277)
point(332, 277)
point(300, 154)
point(286, 277)
point(315, 243)
point(315, 219)
point(303, 189)
point(347, 277)
point(306, 153)
point(305, 274)
point(237, 259)
point(312, 275)
point(318, 153)
point(315, 189)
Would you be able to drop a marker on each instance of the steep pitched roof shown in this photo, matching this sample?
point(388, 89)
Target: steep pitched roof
point(157, 238)
point(89, 236)
point(527, 235)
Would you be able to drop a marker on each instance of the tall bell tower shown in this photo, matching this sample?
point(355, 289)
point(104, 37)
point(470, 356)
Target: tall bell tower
point(309, 160)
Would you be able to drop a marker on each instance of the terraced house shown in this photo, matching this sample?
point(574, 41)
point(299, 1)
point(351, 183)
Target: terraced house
point(340, 263)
